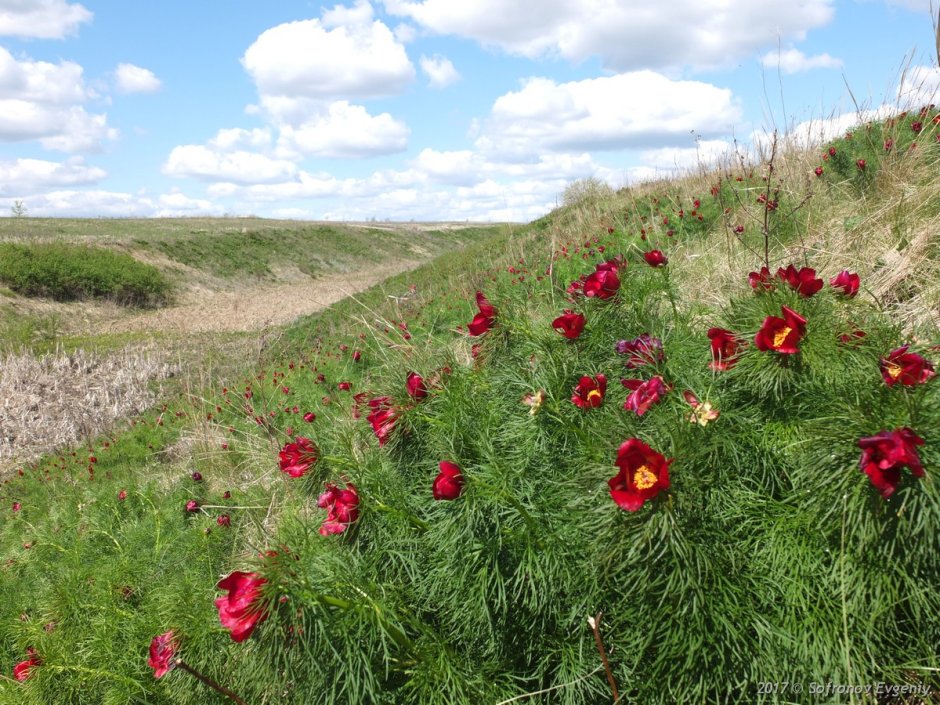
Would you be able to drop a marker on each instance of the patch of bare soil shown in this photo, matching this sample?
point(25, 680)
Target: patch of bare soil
point(254, 307)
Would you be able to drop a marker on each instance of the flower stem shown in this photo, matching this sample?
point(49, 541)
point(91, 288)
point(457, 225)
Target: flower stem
point(179, 663)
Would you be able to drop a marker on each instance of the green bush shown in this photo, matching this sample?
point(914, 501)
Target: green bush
point(73, 272)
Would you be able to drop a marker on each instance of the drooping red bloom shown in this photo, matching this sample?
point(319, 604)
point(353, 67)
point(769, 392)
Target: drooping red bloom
point(860, 163)
point(803, 280)
point(781, 335)
point(342, 508)
point(886, 453)
point(643, 473)
point(162, 648)
point(847, 281)
point(241, 610)
point(309, 417)
point(604, 282)
point(569, 324)
point(589, 392)
point(655, 258)
point(642, 350)
point(23, 669)
point(414, 383)
point(344, 386)
point(903, 367)
point(818, 171)
point(725, 348)
point(643, 394)
point(223, 520)
point(298, 457)
point(762, 280)
point(192, 506)
point(485, 319)
point(449, 483)
point(382, 417)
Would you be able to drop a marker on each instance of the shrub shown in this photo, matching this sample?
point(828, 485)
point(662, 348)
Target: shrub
point(71, 272)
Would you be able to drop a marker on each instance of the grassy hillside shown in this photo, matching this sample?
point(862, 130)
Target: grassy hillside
point(449, 490)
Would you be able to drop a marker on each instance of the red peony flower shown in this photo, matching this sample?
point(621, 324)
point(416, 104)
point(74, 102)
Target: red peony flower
point(781, 335)
point(569, 324)
point(604, 282)
point(298, 457)
point(860, 163)
point(17, 506)
point(23, 669)
point(122, 495)
point(223, 520)
point(655, 258)
point(886, 453)
point(309, 417)
point(342, 508)
point(589, 392)
point(643, 473)
point(725, 348)
point(847, 282)
point(643, 350)
point(192, 506)
point(485, 319)
point(644, 394)
point(905, 368)
point(382, 417)
point(449, 482)
point(762, 280)
point(818, 171)
point(240, 611)
point(162, 648)
point(803, 280)
point(344, 386)
point(415, 385)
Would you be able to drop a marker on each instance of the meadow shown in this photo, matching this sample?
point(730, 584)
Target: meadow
point(674, 443)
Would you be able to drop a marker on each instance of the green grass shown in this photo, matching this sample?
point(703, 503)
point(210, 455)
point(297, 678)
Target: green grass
point(770, 558)
point(67, 272)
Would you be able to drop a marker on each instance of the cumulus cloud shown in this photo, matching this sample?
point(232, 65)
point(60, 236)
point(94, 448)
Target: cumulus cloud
point(794, 61)
point(626, 35)
point(41, 19)
point(345, 131)
point(23, 177)
point(346, 55)
point(639, 109)
point(919, 86)
point(176, 204)
point(135, 79)
point(439, 70)
point(43, 101)
point(238, 166)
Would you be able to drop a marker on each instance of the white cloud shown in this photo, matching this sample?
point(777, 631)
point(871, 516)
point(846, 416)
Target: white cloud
point(794, 61)
point(345, 131)
point(439, 70)
point(41, 19)
point(237, 137)
point(625, 34)
point(706, 153)
point(94, 203)
point(920, 85)
point(926, 6)
point(238, 166)
point(135, 79)
point(23, 177)
point(43, 101)
point(176, 204)
point(640, 109)
point(326, 60)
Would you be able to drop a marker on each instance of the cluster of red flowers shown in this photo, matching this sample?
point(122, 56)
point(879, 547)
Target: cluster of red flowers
point(342, 507)
point(298, 457)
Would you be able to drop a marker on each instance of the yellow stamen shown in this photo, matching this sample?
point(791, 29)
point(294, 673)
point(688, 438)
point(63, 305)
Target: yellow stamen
point(781, 336)
point(594, 394)
point(644, 478)
point(894, 370)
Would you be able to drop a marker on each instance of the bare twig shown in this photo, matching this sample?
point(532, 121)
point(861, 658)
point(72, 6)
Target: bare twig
point(179, 663)
point(595, 623)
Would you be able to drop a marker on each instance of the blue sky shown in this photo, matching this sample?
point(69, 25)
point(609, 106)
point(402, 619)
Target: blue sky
point(418, 109)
